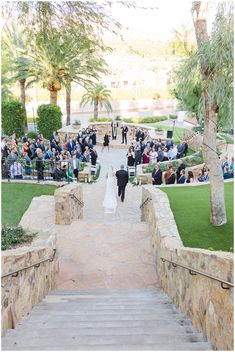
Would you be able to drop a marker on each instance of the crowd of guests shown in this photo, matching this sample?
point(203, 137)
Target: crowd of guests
point(143, 150)
point(63, 158)
point(172, 176)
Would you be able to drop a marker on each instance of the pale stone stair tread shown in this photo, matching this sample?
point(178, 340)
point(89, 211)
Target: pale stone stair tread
point(125, 319)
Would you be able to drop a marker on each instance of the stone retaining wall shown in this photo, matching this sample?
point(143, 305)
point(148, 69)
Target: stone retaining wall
point(21, 293)
point(68, 205)
point(202, 299)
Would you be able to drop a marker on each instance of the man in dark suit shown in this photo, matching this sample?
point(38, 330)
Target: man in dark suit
point(157, 175)
point(122, 180)
point(124, 134)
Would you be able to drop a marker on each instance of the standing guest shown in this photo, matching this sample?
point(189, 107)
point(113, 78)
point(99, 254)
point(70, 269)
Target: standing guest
point(137, 155)
point(25, 138)
point(181, 179)
point(86, 155)
point(16, 170)
point(153, 156)
point(28, 165)
point(12, 157)
point(157, 175)
point(93, 156)
point(4, 148)
point(124, 134)
point(106, 141)
point(190, 178)
point(171, 178)
point(146, 156)
point(172, 153)
point(182, 166)
point(160, 155)
point(40, 166)
point(70, 145)
point(130, 157)
point(185, 148)
point(74, 165)
point(169, 144)
point(114, 126)
point(224, 163)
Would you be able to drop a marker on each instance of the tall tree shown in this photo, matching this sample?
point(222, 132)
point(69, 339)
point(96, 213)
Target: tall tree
point(215, 54)
point(99, 97)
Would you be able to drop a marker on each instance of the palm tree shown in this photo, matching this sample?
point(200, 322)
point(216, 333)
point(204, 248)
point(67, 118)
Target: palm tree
point(99, 97)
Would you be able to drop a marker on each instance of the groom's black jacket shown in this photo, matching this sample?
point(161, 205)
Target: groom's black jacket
point(122, 178)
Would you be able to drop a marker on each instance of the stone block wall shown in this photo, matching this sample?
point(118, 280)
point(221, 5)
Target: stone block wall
point(202, 299)
point(21, 293)
point(68, 205)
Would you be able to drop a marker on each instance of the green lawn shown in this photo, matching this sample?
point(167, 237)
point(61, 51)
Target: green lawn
point(190, 206)
point(178, 131)
point(17, 197)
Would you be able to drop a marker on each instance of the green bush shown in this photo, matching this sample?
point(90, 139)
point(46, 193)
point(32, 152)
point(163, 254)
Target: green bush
point(101, 119)
point(12, 236)
point(49, 119)
point(13, 117)
point(199, 129)
point(32, 135)
point(77, 122)
point(173, 117)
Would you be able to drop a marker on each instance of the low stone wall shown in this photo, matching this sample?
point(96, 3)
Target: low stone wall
point(68, 204)
point(21, 293)
point(202, 299)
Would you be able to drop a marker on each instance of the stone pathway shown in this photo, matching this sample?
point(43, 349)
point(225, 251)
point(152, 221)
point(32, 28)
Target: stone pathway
point(103, 250)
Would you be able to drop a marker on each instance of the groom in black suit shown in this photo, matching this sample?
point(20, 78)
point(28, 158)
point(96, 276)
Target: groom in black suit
point(122, 180)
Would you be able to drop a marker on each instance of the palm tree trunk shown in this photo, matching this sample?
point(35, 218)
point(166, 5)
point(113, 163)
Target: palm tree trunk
point(53, 97)
point(68, 103)
point(217, 211)
point(96, 109)
point(22, 99)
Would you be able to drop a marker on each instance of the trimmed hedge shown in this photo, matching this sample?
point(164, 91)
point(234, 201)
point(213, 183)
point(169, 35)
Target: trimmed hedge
point(49, 119)
point(32, 135)
point(145, 119)
point(13, 117)
point(101, 119)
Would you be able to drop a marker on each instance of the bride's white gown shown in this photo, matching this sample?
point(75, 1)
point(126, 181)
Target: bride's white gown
point(110, 199)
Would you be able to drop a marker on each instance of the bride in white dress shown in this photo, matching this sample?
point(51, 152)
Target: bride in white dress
point(110, 199)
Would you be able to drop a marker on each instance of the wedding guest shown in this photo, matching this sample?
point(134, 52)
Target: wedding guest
point(157, 175)
point(190, 178)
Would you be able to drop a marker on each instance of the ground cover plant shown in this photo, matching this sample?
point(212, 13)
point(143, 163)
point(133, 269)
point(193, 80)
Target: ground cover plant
point(191, 209)
point(14, 236)
point(16, 198)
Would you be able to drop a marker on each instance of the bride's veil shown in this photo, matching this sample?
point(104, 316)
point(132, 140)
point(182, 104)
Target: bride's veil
point(110, 172)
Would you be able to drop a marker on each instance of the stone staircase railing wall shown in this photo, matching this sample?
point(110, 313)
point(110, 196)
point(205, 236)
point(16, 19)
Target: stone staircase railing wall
point(30, 286)
point(202, 299)
point(68, 204)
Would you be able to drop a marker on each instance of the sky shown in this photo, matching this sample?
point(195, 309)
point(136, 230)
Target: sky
point(158, 23)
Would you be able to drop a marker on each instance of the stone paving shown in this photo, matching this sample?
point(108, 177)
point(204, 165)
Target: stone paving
point(102, 250)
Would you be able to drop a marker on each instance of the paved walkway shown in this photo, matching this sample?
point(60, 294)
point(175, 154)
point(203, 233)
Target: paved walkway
point(102, 250)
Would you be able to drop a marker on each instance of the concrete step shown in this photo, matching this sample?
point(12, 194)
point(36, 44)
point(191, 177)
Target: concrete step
point(186, 346)
point(76, 340)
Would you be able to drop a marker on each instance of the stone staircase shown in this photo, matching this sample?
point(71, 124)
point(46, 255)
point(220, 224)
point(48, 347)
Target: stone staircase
point(120, 319)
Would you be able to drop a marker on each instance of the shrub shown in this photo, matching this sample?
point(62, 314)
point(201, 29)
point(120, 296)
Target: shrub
point(12, 236)
point(49, 119)
point(101, 119)
point(145, 119)
point(199, 129)
point(13, 117)
point(173, 117)
point(32, 135)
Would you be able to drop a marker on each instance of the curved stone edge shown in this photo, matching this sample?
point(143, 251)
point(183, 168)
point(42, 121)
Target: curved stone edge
point(21, 293)
point(202, 299)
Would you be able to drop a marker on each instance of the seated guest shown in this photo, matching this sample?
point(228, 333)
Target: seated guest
point(227, 173)
point(157, 175)
point(169, 144)
point(181, 179)
point(16, 170)
point(180, 150)
point(203, 176)
point(93, 156)
point(153, 156)
point(190, 178)
point(171, 176)
point(181, 167)
point(231, 167)
point(172, 153)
